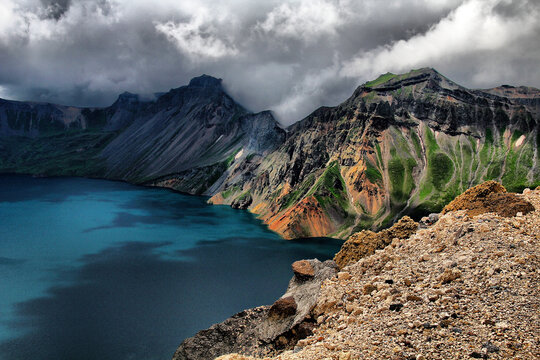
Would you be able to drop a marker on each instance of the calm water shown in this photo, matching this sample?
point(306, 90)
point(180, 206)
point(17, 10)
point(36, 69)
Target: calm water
point(93, 269)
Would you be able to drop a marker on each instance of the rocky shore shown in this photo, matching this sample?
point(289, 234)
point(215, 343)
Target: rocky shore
point(463, 287)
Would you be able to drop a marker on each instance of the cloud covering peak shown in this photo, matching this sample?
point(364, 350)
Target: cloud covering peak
point(287, 56)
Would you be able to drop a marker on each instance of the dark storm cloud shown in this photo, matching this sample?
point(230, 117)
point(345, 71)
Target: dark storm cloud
point(55, 8)
point(287, 56)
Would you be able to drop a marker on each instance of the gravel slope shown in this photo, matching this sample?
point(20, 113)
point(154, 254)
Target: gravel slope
point(462, 288)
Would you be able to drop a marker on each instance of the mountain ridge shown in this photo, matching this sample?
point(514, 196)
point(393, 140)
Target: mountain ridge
point(392, 148)
point(194, 130)
point(400, 144)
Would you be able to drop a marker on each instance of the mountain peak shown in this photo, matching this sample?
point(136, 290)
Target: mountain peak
point(205, 81)
point(390, 81)
point(127, 98)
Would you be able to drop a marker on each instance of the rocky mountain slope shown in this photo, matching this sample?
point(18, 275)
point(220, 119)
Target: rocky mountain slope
point(184, 139)
point(401, 144)
point(465, 287)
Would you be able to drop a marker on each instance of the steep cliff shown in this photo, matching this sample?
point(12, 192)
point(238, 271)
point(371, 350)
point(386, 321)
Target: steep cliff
point(185, 139)
point(400, 145)
point(188, 137)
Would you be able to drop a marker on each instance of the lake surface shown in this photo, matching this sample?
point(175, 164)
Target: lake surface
point(98, 270)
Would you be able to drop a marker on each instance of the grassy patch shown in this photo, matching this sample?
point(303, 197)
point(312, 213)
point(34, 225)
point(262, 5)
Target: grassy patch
point(440, 169)
point(380, 80)
point(231, 157)
point(230, 191)
point(296, 195)
point(431, 142)
point(379, 154)
point(517, 167)
point(486, 148)
point(401, 180)
point(416, 142)
point(373, 174)
point(69, 153)
point(329, 189)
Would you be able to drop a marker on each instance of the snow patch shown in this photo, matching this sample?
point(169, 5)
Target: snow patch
point(519, 141)
point(237, 156)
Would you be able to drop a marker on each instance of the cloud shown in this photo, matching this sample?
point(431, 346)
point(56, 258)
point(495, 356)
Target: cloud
point(306, 20)
point(474, 28)
point(290, 56)
point(198, 37)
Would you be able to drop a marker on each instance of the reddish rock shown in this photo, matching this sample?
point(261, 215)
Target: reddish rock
point(303, 269)
point(283, 307)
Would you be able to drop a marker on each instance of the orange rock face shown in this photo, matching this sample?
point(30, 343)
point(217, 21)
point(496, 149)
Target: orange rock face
point(305, 218)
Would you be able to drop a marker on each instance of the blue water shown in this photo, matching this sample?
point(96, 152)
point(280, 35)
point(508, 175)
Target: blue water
point(98, 270)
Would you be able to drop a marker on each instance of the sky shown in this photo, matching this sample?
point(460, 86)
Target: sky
point(286, 56)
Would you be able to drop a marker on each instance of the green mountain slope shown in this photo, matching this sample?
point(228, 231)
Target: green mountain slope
point(402, 144)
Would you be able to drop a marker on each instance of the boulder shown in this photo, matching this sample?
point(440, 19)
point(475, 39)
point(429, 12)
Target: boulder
point(303, 270)
point(365, 243)
point(489, 197)
point(283, 308)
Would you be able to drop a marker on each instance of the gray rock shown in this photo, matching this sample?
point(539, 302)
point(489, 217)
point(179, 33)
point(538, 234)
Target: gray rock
point(263, 330)
point(305, 293)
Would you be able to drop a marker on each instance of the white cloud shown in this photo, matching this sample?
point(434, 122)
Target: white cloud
point(307, 92)
point(3, 93)
point(197, 37)
point(290, 56)
point(305, 20)
point(473, 27)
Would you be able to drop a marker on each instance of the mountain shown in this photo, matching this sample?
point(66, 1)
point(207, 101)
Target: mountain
point(400, 145)
point(184, 139)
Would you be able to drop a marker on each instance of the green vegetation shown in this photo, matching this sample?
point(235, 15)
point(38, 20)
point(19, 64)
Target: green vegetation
point(486, 148)
point(518, 163)
point(231, 157)
point(230, 191)
point(425, 190)
point(379, 154)
point(431, 142)
point(244, 195)
point(440, 169)
point(467, 159)
point(416, 142)
point(372, 173)
point(294, 196)
point(380, 80)
point(68, 153)
point(401, 180)
point(330, 190)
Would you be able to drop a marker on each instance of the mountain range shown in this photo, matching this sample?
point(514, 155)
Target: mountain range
point(400, 145)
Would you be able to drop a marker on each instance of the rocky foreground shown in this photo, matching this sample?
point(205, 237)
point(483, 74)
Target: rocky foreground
point(464, 287)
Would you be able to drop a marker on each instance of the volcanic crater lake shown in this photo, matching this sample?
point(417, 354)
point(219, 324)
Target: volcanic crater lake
point(98, 270)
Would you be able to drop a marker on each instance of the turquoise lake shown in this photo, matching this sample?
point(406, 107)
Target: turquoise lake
point(99, 270)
